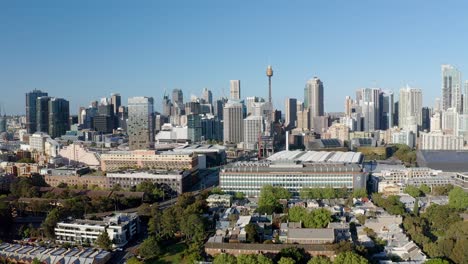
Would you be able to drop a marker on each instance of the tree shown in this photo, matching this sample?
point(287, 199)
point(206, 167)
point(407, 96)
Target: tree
point(286, 260)
point(361, 218)
point(320, 260)
point(297, 214)
point(297, 254)
point(36, 261)
point(134, 260)
point(246, 259)
point(103, 241)
point(217, 190)
point(269, 197)
point(437, 261)
point(252, 233)
point(425, 189)
point(239, 196)
point(360, 193)
point(262, 259)
point(193, 228)
point(458, 198)
point(168, 223)
point(149, 248)
point(350, 257)
point(224, 259)
point(50, 222)
point(413, 191)
point(318, 218)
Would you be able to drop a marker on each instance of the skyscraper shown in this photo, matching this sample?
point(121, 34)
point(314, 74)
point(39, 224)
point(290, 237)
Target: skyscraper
point(42, 114)
point(140, 127)
point(249, 101)
point(59, 114)
point(451, 88)
point(177, 97)
point(387, 110)
point(31, 99)
point(465, 99)
point(235, 90)
point(313, 97)
point(166, 106)
point(410, 109)
point(207, 96)
point(253, 129)
point(194, 127)
point(116, 101)
point(370, 101)
point(290, 112)
point(233, 122)
point(218, 108)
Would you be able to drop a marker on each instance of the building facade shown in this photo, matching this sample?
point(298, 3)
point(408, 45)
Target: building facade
point(140, 127)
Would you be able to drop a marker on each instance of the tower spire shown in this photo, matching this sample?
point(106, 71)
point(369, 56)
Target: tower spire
point(269, 73)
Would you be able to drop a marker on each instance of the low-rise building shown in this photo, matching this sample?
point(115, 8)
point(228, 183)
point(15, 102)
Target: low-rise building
point(117, 160)
point(121, 228)
point(310, 236)
point(219, 200)
point(178, 181)
point(26, 254)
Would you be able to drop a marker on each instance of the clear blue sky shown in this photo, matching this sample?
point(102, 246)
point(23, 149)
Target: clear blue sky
point(84, 50)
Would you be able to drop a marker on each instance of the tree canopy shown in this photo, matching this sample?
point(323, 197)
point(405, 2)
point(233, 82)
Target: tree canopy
point(458, 198)
point(350, 257)
point(269, 198)
point(317, 218)
point(103, 241)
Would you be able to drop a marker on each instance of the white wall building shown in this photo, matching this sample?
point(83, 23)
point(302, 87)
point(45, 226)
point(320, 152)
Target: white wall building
point(253, 128)
point(437, 140)
point(120, 228)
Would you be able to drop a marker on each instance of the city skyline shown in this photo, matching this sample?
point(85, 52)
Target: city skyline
point(92, 53)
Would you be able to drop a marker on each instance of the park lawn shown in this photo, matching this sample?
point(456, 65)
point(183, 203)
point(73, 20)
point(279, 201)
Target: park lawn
point(171, 254)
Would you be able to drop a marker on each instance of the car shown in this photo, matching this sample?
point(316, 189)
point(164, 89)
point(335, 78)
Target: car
point(119, 249)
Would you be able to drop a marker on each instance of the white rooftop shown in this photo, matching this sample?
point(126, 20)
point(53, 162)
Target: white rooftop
point(317, 156)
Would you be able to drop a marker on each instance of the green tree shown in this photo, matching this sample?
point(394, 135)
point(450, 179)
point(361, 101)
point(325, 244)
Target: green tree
point(252, 233)
point(425, 189)
point(269, 197)
point(359, 193)
point(320, 260)
point(193, 228)
point(297, 214)
point(36, 261)
point(458, 198)
point(286, 260)
point(239, 196)
point(350, 257)
point(437, 261)
point(318, 218)
point(361, 218)
point(297, 254)
point(149, 248)
point(168, 223)
point(50, 222)
point(262, 259)
point(103, 241)
point(134, 260)
point(224, 259)
point(413, 191)
point(6, 219)
point(246, 259)
point(217, 190)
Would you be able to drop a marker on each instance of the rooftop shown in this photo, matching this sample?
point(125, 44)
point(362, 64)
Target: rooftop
point(317, 156)
point(311, 233)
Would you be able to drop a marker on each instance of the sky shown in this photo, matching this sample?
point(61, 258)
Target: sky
point(85, 50)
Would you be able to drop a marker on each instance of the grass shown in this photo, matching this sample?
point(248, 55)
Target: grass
point(171, 254)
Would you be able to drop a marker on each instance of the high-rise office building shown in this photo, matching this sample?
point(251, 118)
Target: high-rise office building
point(218, 108)
point(212, 128)
point(59, 114)
point(254, 127)
point(348, 105)
point(426, 118)
point(290, 112)
point(235, 90)
point(194, 127)
point(140, 127)
point(313, 97)
point(31, 99)
point(387, 110)
point(370, 101)
point(233, 122)
point(116, 101)
point(410, 109)
point(207, 96)
point(451, 88)
point(42, 114)
point(177, 97)
point(166, 106)
point(465, 99)
point(249, 102)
